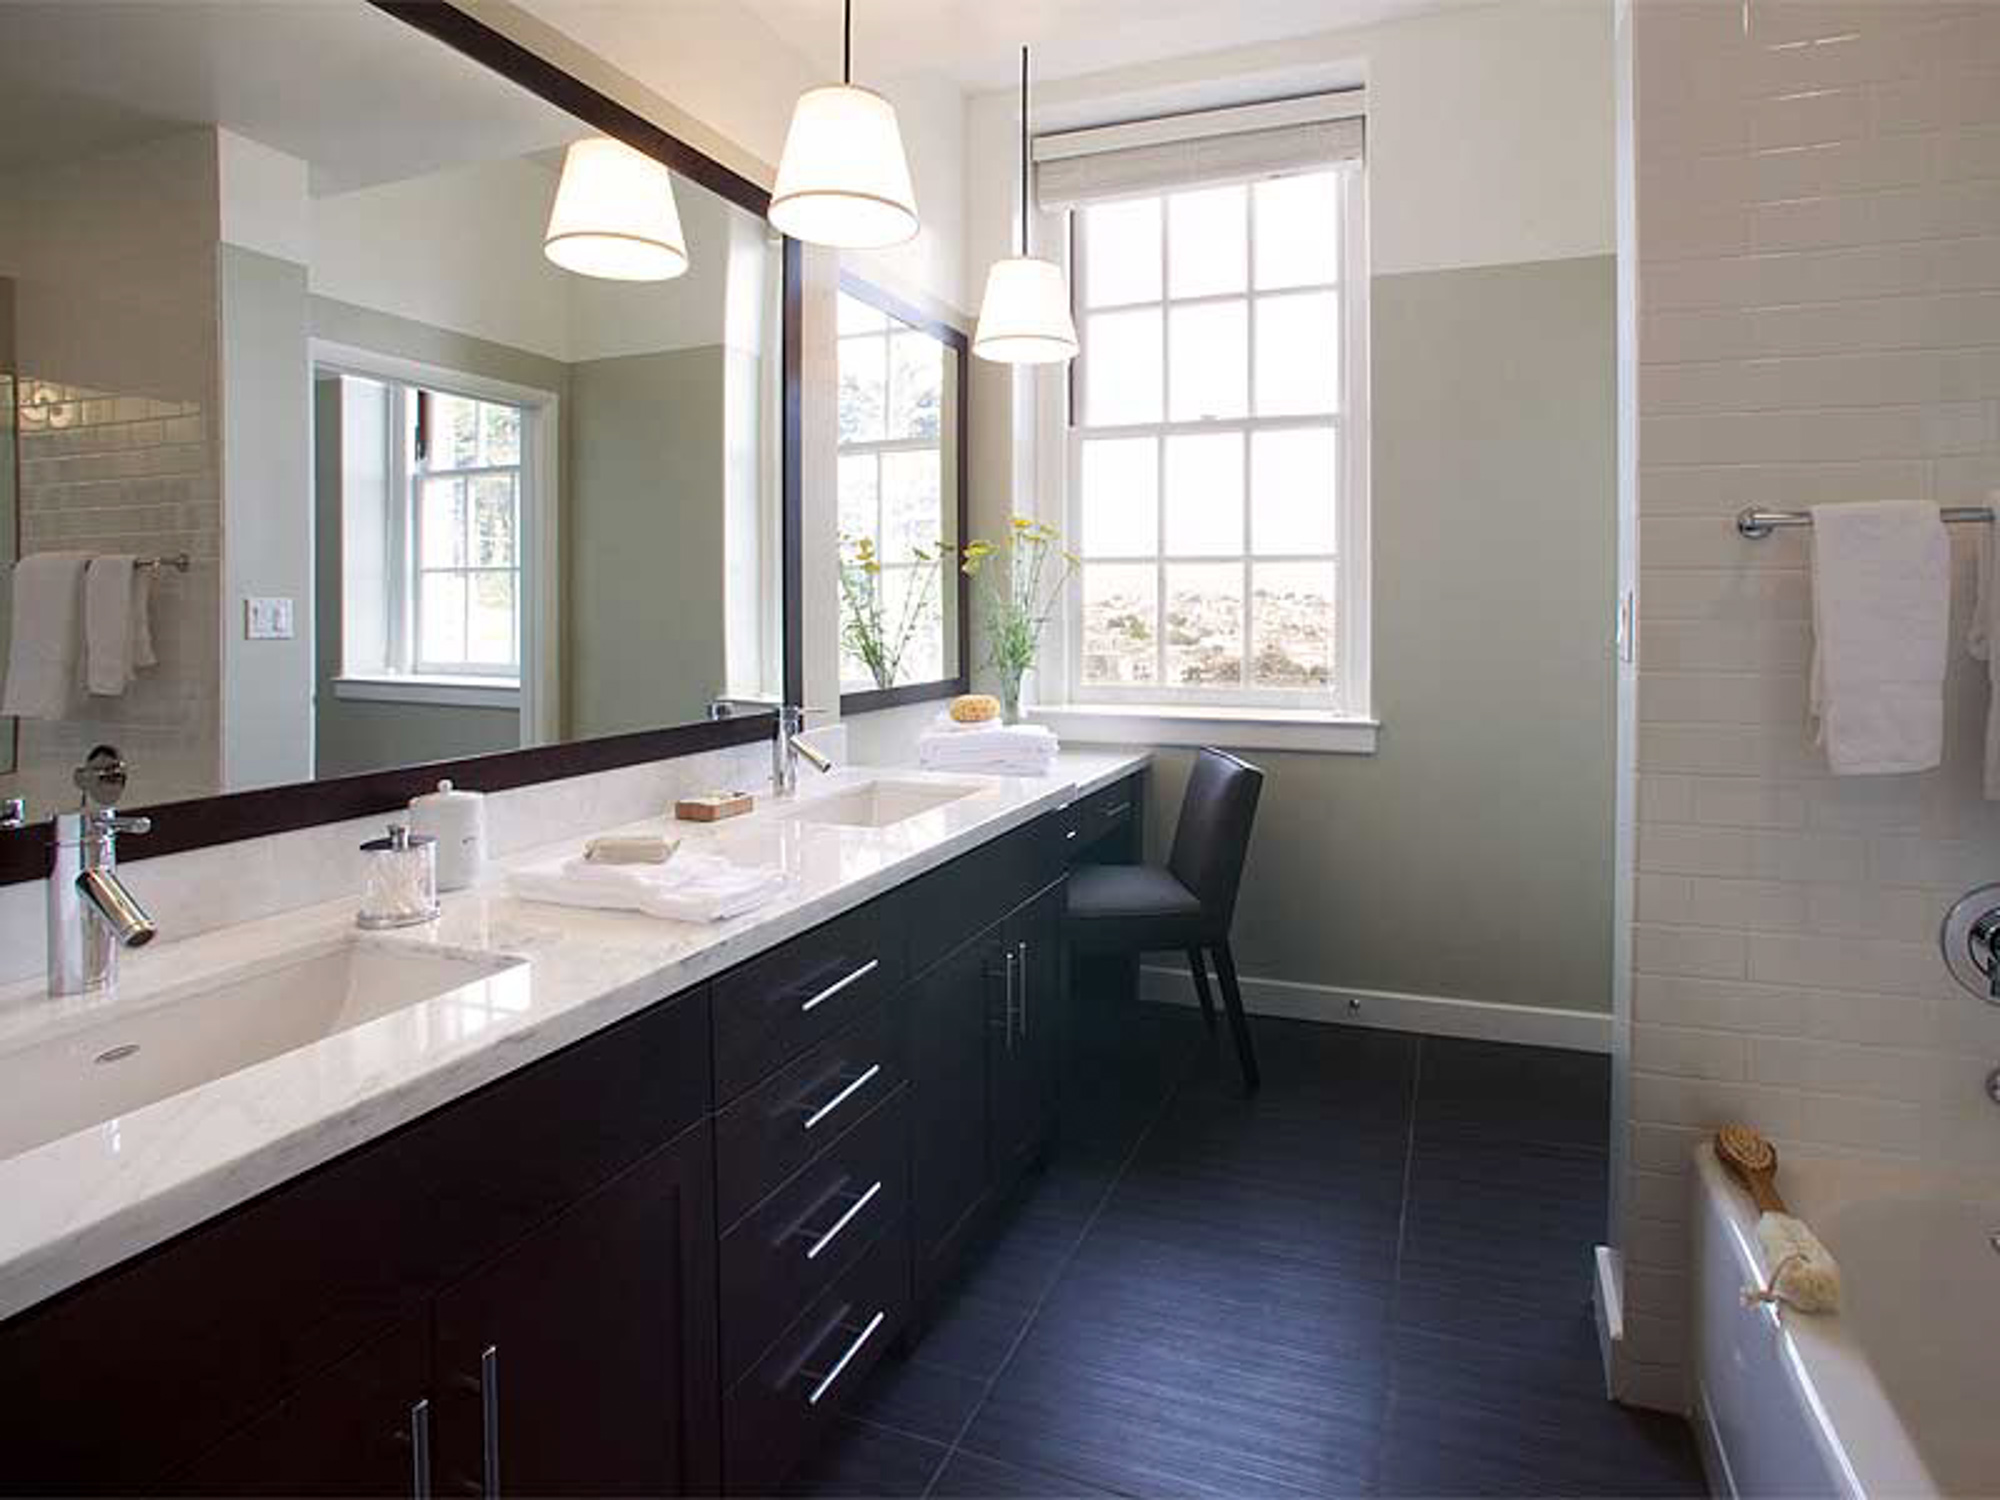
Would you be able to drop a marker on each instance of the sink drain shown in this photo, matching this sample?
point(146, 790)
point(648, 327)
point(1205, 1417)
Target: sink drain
point(116, 1054)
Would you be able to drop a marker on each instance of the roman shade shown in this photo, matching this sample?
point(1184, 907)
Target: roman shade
point(1078, 167)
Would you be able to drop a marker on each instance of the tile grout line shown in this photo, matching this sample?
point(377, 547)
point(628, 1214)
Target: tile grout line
point(1396, 1262)
point(1035, 1313)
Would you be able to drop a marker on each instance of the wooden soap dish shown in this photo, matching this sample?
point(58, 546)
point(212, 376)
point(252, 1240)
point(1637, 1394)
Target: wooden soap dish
point(714, 807)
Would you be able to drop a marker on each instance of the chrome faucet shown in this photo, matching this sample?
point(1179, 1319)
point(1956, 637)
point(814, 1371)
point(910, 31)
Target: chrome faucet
point(786, 746)
point(91, 913)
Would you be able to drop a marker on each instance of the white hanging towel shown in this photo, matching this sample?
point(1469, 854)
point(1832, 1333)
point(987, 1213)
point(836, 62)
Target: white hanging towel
point(45, 644)
point(117, 638)
point(1980, 638)
point(1881, 619)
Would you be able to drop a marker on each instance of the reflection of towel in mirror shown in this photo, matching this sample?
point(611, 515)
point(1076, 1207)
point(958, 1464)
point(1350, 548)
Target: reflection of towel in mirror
point(45, 648)
point(117, 628)
point(690, 887)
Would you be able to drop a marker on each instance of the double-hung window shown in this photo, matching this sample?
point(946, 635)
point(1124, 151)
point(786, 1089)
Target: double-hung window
point(464, 523)
point(1217, 443)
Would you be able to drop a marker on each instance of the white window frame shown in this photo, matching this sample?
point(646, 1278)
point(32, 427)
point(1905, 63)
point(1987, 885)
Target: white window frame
point(536, 690)
point(1340, 718)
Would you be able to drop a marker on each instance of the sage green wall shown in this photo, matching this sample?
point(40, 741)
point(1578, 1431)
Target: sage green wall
point(644, 539)
point(1470, 856)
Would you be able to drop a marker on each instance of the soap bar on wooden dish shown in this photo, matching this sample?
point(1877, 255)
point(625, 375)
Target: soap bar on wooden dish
point(713, 807)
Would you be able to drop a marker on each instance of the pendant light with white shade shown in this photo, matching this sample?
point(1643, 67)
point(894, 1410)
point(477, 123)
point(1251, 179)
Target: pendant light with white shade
point(614, 216)
point(1024, 317)
point(843, 179)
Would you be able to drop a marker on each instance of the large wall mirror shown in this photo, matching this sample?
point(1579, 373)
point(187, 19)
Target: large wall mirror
point(366, 352)
point(901, 418)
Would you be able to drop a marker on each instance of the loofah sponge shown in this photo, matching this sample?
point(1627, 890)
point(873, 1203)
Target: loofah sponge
point(1803, 1272)
point(975, 708)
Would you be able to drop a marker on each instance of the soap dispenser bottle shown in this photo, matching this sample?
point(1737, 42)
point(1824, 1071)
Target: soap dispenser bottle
point(457, 820)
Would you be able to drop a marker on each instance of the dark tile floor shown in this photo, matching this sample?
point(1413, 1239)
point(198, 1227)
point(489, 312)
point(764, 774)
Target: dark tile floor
point(1372, 1278)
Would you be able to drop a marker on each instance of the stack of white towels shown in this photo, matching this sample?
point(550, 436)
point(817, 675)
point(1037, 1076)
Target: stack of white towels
point(992, 748)
point(690, 887)
point(81, 628)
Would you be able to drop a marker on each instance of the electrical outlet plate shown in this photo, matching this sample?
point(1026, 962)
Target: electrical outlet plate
point(267, 619)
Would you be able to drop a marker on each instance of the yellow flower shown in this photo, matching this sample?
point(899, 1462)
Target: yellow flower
point(1022, 523)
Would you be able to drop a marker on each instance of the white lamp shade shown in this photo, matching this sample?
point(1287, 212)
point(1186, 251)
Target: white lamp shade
point(1024, 317)
point(843, 179)
point(614, 215)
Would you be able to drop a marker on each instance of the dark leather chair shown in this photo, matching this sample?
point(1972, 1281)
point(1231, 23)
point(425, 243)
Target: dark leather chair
point(1188, 905)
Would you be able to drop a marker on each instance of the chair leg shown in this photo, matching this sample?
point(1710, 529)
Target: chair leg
point(1232, 1000)
point(1198, 966)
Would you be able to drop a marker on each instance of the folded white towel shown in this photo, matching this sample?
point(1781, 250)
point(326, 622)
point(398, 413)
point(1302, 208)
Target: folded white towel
point(1980, 639)
point(688, 888)
point(1881, 617)
point(45, 646)
point(989, 748)
point(114, 632)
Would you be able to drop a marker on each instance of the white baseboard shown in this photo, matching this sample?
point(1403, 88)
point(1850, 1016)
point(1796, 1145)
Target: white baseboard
point(1431, 1015)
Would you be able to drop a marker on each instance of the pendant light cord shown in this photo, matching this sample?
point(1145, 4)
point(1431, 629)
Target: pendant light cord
point(847, 42)
point(1024, 153)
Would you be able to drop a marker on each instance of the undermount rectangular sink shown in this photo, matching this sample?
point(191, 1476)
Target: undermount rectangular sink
point(881, 804)
point(209, 1029)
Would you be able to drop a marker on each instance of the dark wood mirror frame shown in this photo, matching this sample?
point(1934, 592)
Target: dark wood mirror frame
point(954, 339)
point(201, 821)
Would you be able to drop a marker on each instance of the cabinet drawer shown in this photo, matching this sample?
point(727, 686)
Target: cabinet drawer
point(788, 1249)
point(776, 1413)
point(774, 1007)
point(771, 1132)
point(1105, 811)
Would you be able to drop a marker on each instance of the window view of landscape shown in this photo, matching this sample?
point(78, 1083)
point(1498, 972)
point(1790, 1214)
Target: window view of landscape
point(1207, 445)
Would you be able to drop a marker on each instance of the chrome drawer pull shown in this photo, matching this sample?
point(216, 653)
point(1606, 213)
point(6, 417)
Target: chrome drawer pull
point(1070, 834)
point(840, 984)
point(843, 1096)
point(420, 1450)
point(1023, 949)
point(813, 1250)
point(826, 1381)
point(489, 1411)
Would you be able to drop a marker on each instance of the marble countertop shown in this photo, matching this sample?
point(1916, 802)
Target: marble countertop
point(88, 1200)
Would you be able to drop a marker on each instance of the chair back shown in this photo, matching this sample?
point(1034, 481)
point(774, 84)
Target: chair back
point(1213, 835)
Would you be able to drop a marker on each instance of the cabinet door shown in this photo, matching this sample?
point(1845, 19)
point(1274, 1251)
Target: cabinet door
point(950, 1009)
point(583, 1361)
point(1023, 1046)
point(360, 1428)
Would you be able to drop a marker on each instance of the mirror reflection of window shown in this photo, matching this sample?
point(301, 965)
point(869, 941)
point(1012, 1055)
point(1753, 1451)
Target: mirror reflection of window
point(895, 536)
point(464, 464)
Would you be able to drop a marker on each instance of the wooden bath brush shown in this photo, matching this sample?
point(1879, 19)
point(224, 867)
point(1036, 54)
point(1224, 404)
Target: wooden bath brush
point(1803, 1273)
point(1752, 1161)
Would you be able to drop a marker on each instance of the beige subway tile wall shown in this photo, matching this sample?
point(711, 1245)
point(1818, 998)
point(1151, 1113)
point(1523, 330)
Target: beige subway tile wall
point(1818, 221)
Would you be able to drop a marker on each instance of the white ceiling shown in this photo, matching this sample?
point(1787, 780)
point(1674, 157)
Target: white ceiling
point(357, 94)
point(976, 43)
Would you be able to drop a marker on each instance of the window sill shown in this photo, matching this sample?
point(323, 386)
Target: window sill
point(438, 692)
point(1180, 724)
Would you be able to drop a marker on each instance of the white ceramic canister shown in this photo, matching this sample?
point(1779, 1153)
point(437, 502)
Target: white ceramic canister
point(457, 820)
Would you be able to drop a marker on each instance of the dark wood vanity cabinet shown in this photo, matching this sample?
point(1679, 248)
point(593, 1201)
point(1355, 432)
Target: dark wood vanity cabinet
point(657, 1261)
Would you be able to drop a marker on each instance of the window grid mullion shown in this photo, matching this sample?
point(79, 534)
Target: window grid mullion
point(1160, 449)
point(1245, 622)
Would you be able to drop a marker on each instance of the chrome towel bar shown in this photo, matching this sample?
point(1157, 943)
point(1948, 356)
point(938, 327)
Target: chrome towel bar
point(1761, 523)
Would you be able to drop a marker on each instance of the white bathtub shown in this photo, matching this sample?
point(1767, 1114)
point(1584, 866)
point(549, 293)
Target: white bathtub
point(1898, 1393)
